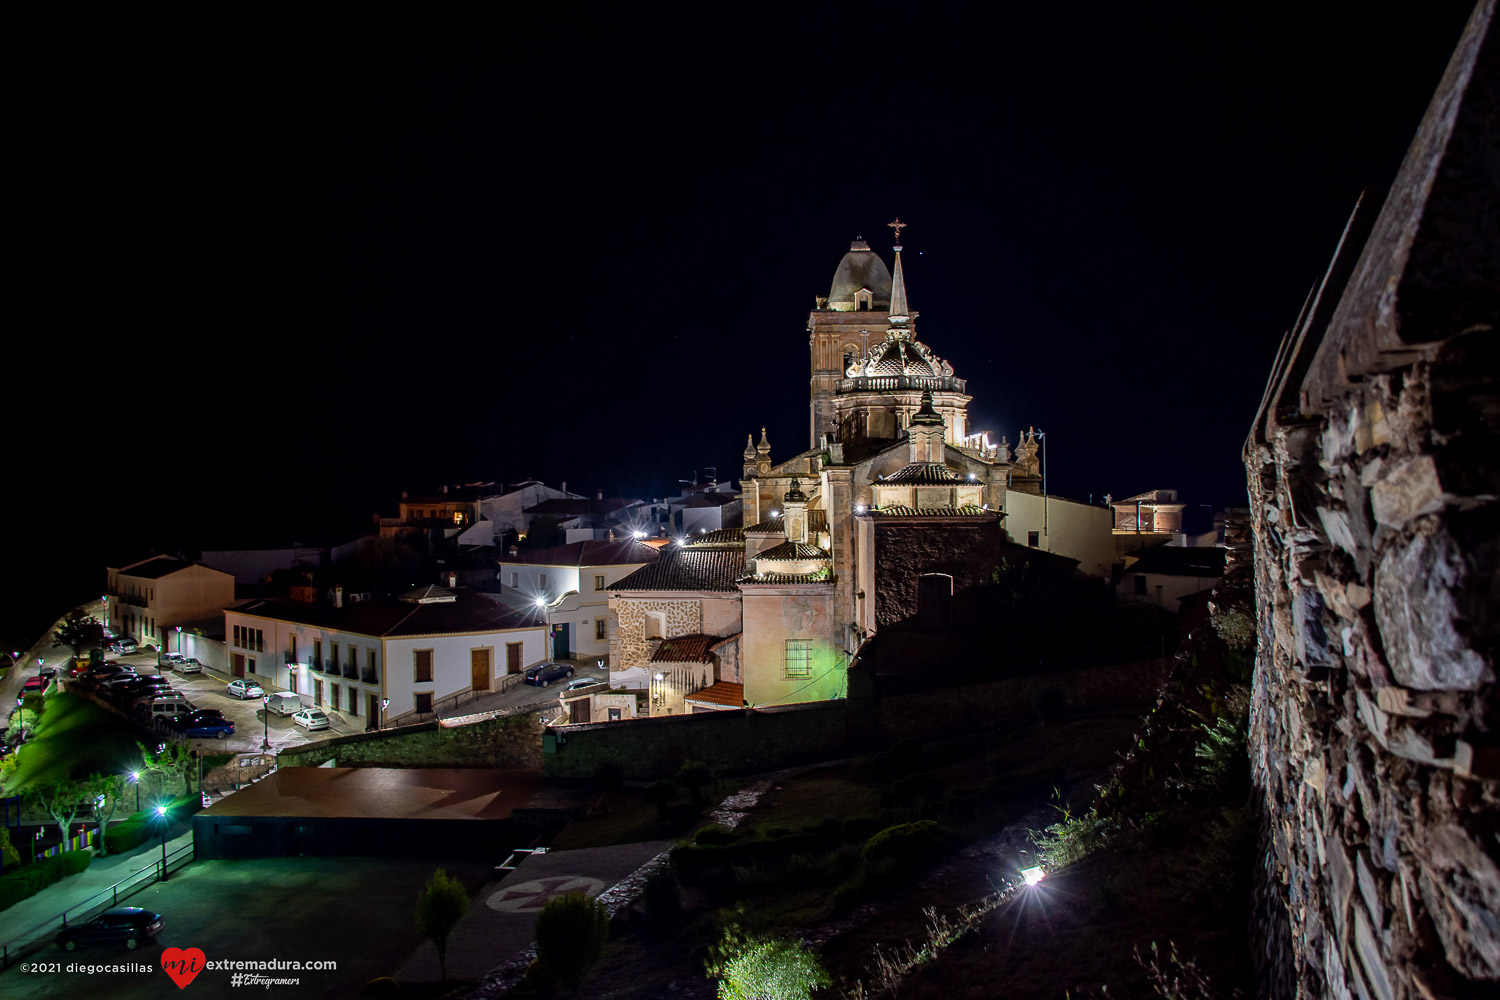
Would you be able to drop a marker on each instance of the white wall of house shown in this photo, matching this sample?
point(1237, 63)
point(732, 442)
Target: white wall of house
point(452, 671)
point(534, 582)
point(506, 509)
point(148, 609)
point(1163, 590)
point(212, 653)
point(1065, 527)
point(265, 662)
point(587, 609)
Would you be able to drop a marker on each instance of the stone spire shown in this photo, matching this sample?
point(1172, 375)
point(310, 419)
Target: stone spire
point(765, 446)
point(763, 454)
point(899, 315)
point(749, 447)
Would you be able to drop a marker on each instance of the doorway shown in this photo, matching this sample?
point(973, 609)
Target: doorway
point(513, 657)
point(479, 669)
point(560, 644)
point(239, 664)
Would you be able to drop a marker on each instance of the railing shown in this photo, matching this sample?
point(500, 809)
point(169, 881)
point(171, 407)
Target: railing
point(369, 676)
point(505, 683)
point(99, 901)
point(316, 664)
point(351, 671)
point(134, 600)
point(877, 383)
point(288, 657)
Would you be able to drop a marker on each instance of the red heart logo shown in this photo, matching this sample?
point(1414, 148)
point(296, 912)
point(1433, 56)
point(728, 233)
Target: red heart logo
point(183, 964)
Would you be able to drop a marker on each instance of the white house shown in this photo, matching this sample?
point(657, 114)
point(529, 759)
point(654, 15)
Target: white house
point(1065, 527)
point(506, 508)
point(570, 582)
point(410, 654)
point(1165, 574)
point(149, 598)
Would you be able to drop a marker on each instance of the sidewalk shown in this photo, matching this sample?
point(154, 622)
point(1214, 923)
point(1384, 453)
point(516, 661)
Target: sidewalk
point(46, 907)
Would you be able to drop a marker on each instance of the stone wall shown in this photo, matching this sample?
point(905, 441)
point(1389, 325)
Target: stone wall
point(506, 741)
point(1374, 474)
point(757, 740)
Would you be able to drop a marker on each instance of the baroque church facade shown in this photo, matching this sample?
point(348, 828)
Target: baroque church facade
point(773, 613)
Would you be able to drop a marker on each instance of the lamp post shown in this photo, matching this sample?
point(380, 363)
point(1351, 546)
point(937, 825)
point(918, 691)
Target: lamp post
point(179, 639)
point(1043, 436)
point(385, 703)
point(161, 816)
point(541, 602)
point(265, 716)
point(135, 777)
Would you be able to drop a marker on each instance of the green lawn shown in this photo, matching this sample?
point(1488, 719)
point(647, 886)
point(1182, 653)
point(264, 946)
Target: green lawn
point(75, 738)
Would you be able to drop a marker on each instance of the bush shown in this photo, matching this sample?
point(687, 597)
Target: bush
point(31, 879)
point(713, 833)
point(758, 969)
point(906, 847)
point(660, 793)
point(695, 776)
point(570, 935)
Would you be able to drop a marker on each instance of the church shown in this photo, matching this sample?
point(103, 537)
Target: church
point(867, 528)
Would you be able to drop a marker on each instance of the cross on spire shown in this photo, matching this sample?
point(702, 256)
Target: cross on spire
point(898, 225)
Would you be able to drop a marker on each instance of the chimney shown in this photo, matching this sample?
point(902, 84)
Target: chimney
point(445, 487)
point(598, 494)
point(564, 486)
point(611, 534)
point(338, 595)
point(514, 551)
point(403, 494)
point(452, 580)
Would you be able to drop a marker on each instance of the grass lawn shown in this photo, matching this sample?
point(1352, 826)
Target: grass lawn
point(73, 739)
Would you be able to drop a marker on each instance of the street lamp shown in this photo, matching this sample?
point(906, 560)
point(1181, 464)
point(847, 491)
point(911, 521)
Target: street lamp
point(385, 703)
point(161, 816)
point(179, 638)
point(135, 776)
point(265, 715)
point(541, 602)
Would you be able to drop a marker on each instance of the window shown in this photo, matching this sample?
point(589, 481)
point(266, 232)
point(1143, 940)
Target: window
point(1033, 538)
point(333, 697)
point(599, 581)
point(353, 700)
point(515, 580)
point(318, 654)
point(423, 663)
point(424, 702)
point(656, 625)
point(542, 581)
point(601, 630)
point(935, 600)
point(370, 665)
point(250, 664)
point(236, 635)
point(333, 656)
point(614, 716)
point(1140, 584)
point(798, 658)
point(260, 640)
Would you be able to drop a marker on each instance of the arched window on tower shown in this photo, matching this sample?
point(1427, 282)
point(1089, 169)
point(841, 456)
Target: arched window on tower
point(851, 354)
point(863, 300)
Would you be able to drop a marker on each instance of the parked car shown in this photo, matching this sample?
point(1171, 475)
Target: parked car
point(204, 728)
point(242, 689)
point(131, 926)
point(284, 703)
point(545, 673)
point(582, 682)
point(146, 687)
point(34, 685)
point(47, 672)
point(163, 709)
point(201, 715)
point(126, 646)
point(188, 665)
point(169, 659)
point(311, 718)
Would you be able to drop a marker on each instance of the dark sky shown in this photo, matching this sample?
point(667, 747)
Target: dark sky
point(280, 265)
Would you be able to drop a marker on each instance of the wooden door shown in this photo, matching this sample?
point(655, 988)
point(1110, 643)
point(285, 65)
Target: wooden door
point(512, 657)
point(479, 669)
point(239, 664)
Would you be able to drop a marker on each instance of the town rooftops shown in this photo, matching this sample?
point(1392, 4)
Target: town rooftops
point(722, 536)
point(467, 612)
point(688, 567)
point(721, 693)
point(564, 507)
point(817, 520)
point(156, 567)
point(792, 550)
point(686, 649)
point(967, 510)
point(921, 473)
point(587, 553)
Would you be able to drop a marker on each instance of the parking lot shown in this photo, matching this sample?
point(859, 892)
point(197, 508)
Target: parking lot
point(251, 727)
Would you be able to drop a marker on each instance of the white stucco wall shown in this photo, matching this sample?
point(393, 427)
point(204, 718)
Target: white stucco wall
point(1066, 527)
point(527, 580)
point(451, 672)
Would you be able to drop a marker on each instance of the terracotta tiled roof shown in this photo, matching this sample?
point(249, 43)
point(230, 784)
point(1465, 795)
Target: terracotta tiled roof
point(468, 612)
point(770, 526)
point(721, 536)
point(967, 510)
point(688, 567)
point(921, 473)
point(792, 550)
point(817, 520)
point(686, 649)
point(721, 693)
point(586, 553)
point(821, 576)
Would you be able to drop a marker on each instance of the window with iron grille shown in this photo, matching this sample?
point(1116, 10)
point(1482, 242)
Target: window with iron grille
point(798, 658)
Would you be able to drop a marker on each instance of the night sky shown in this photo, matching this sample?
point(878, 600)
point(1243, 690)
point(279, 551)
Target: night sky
point(282, 265)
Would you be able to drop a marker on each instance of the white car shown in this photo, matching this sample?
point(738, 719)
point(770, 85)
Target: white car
point(168, 659)
point(243, 689)
point(188, 665)
point(311, 718)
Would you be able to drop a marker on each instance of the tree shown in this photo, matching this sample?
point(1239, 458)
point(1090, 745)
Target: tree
point(170, 760)
point(9, 856)
point(570, 935)
point(22, 721)
point(79, 632)
point(111, 787)
point(545, 532)
point(440, 906)
point(63, 800)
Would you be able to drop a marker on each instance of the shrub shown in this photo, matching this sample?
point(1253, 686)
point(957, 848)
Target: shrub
point(440, 906)
point(765, 969)
point(907, 847)
point(570, 935)
point(713, 833)
point(661, 792)
point(1073, 837)
point(31, 879)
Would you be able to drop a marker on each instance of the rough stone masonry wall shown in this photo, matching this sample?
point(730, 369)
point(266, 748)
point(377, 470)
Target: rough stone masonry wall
point(508, 742)
point(1374, 474)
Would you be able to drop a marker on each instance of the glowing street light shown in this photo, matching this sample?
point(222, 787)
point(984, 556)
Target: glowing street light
point(161, 817)
point(135, 777)
point(1033, 875)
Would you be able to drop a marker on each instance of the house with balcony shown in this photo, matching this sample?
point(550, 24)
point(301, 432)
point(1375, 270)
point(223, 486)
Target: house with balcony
point(149, 598)
point(385, 661)
point(569, 583)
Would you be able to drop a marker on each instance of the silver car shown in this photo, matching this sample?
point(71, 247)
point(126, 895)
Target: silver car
point(310, 718)
point(243, 689)
point(188, 665)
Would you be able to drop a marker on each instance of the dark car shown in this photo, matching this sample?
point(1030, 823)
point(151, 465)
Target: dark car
point(127, 925)
point(34, 685)
point(137, 688)
point(545, 673)
point(203, 715)
point(204, 728)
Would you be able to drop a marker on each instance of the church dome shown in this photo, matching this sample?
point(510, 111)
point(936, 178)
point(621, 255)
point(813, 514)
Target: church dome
point(860, 268)
point(900, 357)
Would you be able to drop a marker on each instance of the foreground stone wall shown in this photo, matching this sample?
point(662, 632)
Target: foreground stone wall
point(1374, 474)
point(511, 742)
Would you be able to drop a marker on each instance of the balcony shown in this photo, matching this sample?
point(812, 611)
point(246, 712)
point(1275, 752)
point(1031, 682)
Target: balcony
point(288, 657)
point(351, 671)
point(369, 676)
point(316, 664)
point(134, 600)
